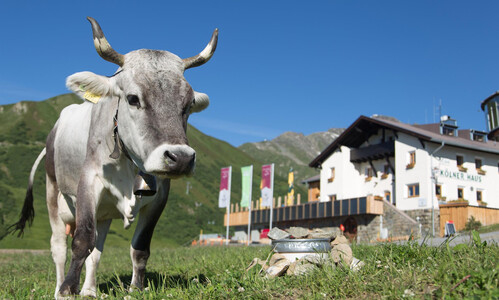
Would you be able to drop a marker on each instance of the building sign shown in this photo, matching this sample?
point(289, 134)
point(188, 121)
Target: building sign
point(460, 176)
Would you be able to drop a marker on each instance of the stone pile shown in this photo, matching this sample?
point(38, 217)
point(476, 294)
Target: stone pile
point(278, 264)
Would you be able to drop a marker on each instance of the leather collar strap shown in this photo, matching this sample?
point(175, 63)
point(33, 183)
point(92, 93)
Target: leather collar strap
point(118, 143)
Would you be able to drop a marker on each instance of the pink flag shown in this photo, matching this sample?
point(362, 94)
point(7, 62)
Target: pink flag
point(266, 177)
point(267, 185)
point(224, 196)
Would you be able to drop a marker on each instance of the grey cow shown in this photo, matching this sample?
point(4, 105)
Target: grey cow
point(134, 121)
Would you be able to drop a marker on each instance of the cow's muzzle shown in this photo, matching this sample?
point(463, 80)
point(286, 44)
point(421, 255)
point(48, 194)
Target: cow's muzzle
point(171, 161)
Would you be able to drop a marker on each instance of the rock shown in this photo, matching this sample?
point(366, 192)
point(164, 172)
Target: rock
point(257, 261)
point(298, 232)
point(319, 233)
point(342, 253)
point(291, 268)
point(341, 239)
point(278, 268)
point(303, 268)
point(356, 264)
point(276, 258)
point(317, 259)
point(277, 234)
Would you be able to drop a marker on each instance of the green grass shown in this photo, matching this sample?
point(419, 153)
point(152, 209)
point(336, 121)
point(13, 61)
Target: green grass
point(391, 271)
point(489, 228)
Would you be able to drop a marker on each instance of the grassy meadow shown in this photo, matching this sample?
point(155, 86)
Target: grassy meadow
point(392, 271)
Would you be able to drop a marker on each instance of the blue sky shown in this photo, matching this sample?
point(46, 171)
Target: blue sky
point(302, 66)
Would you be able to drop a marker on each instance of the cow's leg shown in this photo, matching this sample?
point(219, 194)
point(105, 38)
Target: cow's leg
point(90, 285)
point(89, 189)
point(58, 241)
point(141, 242)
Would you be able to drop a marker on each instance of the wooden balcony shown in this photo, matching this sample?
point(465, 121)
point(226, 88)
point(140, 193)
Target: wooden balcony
point(311, 210)
point(372, 152)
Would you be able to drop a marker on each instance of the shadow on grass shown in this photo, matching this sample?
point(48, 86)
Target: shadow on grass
point(152, 279)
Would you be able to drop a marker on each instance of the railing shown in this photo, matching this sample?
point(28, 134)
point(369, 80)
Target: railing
point(372, 152)
point(310, 210)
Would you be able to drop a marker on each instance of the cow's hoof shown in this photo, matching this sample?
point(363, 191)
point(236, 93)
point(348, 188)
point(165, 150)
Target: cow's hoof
point(67, 293)
point(61, 297)
point(88, 293)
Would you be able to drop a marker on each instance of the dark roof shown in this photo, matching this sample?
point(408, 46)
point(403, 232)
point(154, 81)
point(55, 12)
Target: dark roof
point(364, 127)
point(312, 179)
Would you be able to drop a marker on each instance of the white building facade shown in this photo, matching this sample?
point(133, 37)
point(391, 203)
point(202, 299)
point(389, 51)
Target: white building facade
point(414, 167)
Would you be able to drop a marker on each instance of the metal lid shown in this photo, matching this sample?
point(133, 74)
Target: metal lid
point(301, 245)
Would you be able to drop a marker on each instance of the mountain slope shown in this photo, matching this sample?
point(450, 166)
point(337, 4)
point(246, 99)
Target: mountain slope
point(22, 137)
point(292, 150)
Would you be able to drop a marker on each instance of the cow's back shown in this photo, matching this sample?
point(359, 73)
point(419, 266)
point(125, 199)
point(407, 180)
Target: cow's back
point(70, 145)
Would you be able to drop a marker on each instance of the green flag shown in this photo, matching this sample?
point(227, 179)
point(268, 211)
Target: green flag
point(247, 179)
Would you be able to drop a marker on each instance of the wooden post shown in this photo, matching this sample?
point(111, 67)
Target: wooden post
point(231, 207)
point(279, 199)
point(298, 199)
point(285, 200)
point(273, 202)
point(237, 207)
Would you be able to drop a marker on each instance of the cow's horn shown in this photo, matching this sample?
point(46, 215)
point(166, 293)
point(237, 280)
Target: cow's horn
point(205, 55)
point(102, 45)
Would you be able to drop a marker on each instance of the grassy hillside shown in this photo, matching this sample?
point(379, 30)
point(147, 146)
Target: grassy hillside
point(22, 137)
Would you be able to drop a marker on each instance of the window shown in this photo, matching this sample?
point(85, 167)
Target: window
point(331, 178)
point(449, 131)
point(438, 191)
point(479, 195)
point(478, 163)
point(460, 193)
point(369, 173)
point(460, 163)
point(412, 160)
point(459, 160)
point(386, 171)
point(413, 190)
point(332, 198)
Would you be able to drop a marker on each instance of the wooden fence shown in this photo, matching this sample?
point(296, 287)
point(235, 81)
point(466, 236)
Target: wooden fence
point(459, 213)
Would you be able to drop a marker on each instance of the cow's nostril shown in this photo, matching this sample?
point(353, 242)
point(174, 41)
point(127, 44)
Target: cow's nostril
point(170, 155)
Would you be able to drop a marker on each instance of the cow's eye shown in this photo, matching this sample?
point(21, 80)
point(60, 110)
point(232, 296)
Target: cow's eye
point(133, 100)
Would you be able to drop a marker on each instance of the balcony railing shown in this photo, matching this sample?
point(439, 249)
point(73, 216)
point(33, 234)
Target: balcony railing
point(372, 152)
point(310, 210)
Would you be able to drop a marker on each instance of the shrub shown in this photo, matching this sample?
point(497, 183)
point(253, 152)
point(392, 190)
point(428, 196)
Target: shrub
point(472, 224)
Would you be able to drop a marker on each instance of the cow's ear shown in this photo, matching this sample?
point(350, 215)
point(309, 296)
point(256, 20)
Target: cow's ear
point(89, 86)
point(201, 101)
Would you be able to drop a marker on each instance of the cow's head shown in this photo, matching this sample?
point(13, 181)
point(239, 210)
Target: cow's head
point(154, 103)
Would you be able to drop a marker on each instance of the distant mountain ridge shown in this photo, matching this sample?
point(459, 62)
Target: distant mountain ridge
point(292, 150)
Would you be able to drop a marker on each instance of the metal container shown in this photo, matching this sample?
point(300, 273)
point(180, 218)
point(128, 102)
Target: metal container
point(301, 245)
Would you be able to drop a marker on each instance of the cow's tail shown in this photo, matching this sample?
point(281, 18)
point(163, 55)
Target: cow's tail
point(28, 212)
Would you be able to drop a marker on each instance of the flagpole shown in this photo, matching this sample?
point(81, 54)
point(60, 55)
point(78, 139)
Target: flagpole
point(271, 198)
point(228, 209)
point(249, 206)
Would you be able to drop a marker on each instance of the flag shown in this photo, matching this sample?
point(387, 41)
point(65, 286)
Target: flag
point(267, 185)
point(224, 196)
point(247, 180)
point(291, 189)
